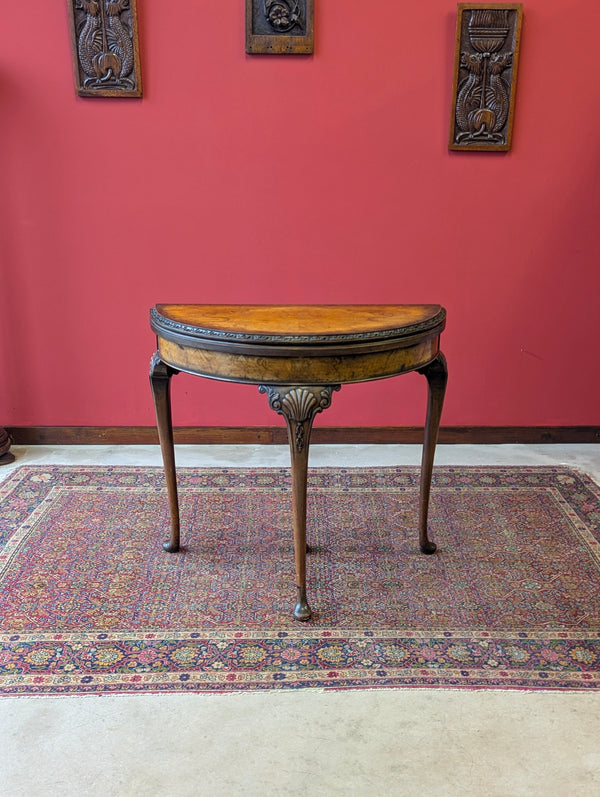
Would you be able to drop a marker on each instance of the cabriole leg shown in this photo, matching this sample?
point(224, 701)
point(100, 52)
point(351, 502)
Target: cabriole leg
point(160, 382)
point(299, 405)
point(436, 374)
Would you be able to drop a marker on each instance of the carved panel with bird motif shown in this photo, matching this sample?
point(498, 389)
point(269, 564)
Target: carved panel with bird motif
point(485, 76)
point(104, 36)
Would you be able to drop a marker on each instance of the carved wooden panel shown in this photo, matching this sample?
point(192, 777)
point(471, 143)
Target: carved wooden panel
point(485, 76)
point(104, 38)
point(279, 26)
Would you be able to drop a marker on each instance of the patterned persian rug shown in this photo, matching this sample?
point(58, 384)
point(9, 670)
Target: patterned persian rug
point(89, 602)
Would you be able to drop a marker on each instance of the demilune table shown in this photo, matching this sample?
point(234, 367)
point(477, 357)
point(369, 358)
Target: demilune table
point(298, 355)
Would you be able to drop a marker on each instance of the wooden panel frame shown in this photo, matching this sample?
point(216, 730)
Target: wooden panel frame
point(295, 38)
point(488, 38)
point(105, 48)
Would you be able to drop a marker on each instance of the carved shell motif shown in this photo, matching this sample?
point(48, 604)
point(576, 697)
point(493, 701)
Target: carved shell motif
point(299, 405)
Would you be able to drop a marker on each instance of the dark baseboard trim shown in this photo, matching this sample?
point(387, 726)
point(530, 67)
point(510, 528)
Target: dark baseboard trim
point(269, 435)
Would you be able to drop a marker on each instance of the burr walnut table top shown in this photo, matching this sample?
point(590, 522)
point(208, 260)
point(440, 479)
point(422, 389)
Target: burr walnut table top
point(286, 344)
point(300, 323)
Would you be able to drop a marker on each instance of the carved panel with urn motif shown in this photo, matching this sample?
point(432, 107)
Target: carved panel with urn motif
point(104, 38)
point(485, 76)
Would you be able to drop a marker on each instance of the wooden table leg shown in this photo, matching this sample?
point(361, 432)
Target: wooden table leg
point(436, 374)
point(299, 405)
point(160, 382)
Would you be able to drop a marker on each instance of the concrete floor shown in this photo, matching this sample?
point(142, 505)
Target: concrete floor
point(378, 742)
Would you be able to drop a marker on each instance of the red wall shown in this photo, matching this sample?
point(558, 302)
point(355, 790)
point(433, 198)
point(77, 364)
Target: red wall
point(297, 179)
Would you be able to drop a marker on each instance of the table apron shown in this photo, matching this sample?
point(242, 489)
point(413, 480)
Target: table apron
point(298, 370)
